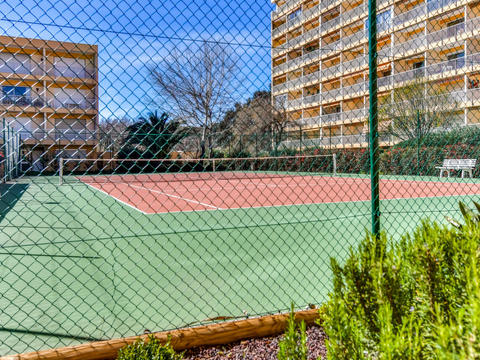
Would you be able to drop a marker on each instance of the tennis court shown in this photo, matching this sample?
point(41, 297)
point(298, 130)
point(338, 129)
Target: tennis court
point(112, 255)
point(166, 193)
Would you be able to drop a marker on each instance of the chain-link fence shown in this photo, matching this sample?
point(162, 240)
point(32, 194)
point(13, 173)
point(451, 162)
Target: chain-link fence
point(175, 163)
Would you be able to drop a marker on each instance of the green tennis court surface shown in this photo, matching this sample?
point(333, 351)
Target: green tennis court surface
point(77, 265)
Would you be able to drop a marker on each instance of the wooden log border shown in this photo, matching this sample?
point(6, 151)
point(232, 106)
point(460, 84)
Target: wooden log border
point(182, 339)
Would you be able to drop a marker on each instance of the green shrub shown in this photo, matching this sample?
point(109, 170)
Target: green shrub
point(293, 345)
point(150, 349)
point(418, 298)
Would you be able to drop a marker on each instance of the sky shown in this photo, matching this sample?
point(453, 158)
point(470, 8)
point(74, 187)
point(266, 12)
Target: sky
point(133, 35)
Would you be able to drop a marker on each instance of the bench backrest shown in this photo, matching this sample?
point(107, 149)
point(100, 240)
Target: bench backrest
point(469, 163)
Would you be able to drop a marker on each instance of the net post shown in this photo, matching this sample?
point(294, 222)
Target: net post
point(213, 165)
point(334, 164)
point(60, 171)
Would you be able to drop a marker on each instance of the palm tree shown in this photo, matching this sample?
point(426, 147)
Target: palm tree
point(153, 137)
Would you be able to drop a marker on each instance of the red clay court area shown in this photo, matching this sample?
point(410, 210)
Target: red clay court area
point(166, 193)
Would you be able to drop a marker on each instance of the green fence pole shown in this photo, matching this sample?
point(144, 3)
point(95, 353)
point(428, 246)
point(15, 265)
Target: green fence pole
point(373, 116)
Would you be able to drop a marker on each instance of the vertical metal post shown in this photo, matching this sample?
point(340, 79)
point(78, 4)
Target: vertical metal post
point(60, 171)
point(335, 164)
point(373, 115)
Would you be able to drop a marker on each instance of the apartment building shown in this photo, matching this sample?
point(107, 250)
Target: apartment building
point(49, 96)
point(320, 61)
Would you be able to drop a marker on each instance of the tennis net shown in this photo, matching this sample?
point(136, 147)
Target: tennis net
point(123, 170)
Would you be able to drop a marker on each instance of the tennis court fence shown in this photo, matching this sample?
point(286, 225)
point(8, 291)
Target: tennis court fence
point(170, 163)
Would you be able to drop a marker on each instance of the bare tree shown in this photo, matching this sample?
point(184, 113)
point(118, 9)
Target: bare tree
point(417, 109)
point(261, 121)
point(112, 134)
point(198, 84)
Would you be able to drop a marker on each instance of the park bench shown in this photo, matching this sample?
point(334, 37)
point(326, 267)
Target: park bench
point(465, 165)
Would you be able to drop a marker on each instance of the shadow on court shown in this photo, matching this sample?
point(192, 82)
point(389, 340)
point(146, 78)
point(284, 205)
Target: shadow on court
point(10, 194)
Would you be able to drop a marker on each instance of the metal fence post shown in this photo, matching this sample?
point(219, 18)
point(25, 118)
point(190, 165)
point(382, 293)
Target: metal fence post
point(373, 116)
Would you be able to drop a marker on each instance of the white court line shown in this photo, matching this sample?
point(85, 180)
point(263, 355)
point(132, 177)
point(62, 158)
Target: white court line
point(177, 197)
point(120, 201)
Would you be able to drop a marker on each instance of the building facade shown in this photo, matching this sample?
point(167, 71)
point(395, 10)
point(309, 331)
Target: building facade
point(49, 96)
point(320, 61)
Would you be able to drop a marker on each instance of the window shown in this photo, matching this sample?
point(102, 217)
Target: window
point(15, 95)
point(419, 64)
point(457, 60)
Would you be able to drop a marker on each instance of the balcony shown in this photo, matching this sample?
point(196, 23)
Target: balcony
point(448, 32)
point(305, 16)
point(331, 71)
point(355, 89)
point(327, 3)
point(354, 64)
point(283, 9)
point(307, 36)
point(352, 39)
point(358, 11)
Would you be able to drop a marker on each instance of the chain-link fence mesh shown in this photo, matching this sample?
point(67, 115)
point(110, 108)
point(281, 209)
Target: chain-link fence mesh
point(167, 164)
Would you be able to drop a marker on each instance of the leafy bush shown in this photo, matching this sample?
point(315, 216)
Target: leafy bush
point(293, 345)
point(151, 349)
point(403, 160)
point(418, 298)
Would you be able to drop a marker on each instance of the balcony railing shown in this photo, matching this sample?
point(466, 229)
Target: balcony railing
point(409, 75)
point(355, 63)
point(355, 89)
point(331, 94)
point(22, 100)
point(433, 5)
point(327, 141)
point(70, 104)
point(356, 11)
point(331, 71)
point(57, 134)
point(311, 99)
point(449, 65)
point(417, 11)
point(358, 36)
point(328, 25)
point(76, 71)
point(411, 44)
point(333, 117)
point(315, 120)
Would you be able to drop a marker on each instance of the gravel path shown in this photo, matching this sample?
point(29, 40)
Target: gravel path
point(259, 349)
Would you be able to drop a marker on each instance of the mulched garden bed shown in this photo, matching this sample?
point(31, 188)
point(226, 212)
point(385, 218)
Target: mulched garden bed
point(259, 349)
